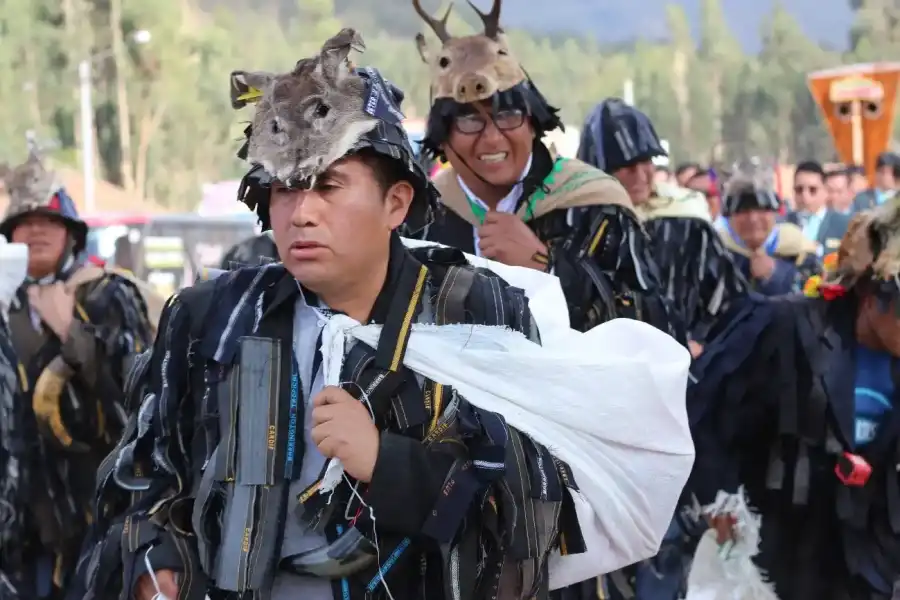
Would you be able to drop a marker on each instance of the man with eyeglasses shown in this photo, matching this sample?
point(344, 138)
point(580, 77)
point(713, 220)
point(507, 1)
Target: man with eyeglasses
point(508, 197)
point(819, 223)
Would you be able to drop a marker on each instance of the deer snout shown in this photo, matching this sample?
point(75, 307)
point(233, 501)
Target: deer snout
point(473, 87)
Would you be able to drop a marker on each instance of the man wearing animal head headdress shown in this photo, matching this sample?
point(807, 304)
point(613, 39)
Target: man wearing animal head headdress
point(75, 331)
point(775, 257)
point(800, 402)
point(509, 198)
point(223, 468)
point(695, 268)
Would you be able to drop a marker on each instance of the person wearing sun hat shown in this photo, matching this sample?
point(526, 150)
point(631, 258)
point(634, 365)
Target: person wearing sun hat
point(800, 401)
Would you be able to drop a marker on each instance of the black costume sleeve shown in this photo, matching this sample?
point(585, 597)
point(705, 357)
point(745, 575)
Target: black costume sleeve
point(101, 348)
point(144, 485)
point(696, 271)
point(408, 476)
point(607, 271)
point(739, 385)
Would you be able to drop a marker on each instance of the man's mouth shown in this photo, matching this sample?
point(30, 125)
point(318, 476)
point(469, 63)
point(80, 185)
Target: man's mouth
point(494, 157)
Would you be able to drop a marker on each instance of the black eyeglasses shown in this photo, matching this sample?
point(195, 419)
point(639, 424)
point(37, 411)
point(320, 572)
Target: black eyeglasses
point(504, 120)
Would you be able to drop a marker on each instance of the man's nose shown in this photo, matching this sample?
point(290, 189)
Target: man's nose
point(307, 205)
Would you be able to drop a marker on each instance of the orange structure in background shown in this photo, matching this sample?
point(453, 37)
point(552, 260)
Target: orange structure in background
point(858, 103)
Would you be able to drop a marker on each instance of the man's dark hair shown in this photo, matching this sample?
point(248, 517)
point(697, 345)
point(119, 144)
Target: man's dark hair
point(835, 173)
point(889, 159)
point(662, 169)
point(810, 166)
point(387, 170)
point(685, 167)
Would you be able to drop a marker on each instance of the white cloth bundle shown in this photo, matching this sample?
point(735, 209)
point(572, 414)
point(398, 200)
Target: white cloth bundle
point(13, 268)
point(609, 402)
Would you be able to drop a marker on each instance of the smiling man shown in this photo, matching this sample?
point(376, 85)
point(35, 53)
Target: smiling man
point(509, 198)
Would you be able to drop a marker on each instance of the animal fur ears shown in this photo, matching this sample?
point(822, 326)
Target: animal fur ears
point(336, 50)
point(247, 87)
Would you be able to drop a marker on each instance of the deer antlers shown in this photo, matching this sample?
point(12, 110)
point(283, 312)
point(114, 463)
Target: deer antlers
point(491, 20)
point(439, 26)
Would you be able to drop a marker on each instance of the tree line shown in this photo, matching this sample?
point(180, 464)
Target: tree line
point(163, 123)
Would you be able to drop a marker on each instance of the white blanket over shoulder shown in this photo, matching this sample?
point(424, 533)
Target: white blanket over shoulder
point(609, 402)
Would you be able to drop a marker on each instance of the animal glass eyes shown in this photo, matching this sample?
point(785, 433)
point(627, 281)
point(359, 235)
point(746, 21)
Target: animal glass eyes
point(444, 62)
point(322, 110)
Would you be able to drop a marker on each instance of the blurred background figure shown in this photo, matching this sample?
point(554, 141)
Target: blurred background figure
point(819, 223)
point(839, 190)
point(886, 175)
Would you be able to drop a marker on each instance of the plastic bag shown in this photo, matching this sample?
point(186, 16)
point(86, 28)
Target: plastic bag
point(609, 402)
point(727, 572)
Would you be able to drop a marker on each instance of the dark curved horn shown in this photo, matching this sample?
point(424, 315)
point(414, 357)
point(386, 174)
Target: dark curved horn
point(439, 26)
point(491, 20)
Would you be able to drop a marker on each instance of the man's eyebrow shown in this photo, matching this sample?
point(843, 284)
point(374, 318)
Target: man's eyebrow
point(334, 174)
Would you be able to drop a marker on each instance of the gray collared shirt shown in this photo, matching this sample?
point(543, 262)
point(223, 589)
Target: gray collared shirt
point(308, 324)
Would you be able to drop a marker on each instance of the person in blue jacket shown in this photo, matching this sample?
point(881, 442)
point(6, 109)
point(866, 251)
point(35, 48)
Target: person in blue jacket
point(775, 257)
point(796, 402)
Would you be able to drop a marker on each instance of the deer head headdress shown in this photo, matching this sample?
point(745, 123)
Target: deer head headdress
point(470, 68)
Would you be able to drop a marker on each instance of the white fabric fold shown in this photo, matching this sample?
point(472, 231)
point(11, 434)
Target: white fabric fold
point(609, 402)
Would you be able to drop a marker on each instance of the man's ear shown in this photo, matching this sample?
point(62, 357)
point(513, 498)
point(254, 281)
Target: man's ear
point(398, 199)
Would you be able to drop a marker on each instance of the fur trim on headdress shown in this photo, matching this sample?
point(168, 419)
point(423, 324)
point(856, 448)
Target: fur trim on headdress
point(870, 248)
point(751, 185)
point(308, 118)
point(29, 185)
point(32, 188)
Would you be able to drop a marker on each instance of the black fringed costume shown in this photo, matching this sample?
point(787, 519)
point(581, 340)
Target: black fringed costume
point(782, 399)
point(252, 251)
point(696, 271)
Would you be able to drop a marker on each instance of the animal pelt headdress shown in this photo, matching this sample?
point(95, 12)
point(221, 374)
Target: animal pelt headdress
point(870, 251)
point(750, 187)
point(474, 68)
point(317, 113)
point(32, 188)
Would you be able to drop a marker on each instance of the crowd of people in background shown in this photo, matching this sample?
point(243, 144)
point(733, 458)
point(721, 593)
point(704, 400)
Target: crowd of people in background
point(825, 196)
